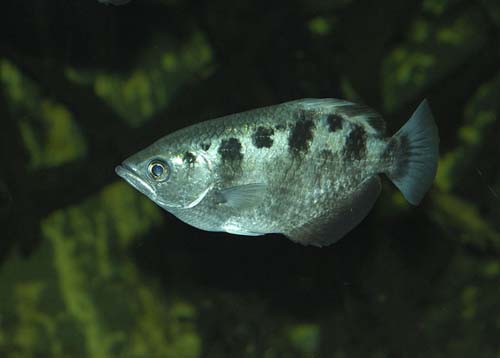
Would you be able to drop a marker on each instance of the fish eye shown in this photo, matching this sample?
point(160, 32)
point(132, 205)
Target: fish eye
point(159, 170)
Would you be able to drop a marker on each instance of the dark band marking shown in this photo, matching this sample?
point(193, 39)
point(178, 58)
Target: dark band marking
point(355, 145)
point(390, 150)
point(398, 150)
point(326, 156)
point(334, 122)
point(263, 137)
point(230, 150)
point(189, 158)
point(301, 115)
point(373, 118)
point(280, 127)
point(378, 124)
point(301, 135)
point(205, 146)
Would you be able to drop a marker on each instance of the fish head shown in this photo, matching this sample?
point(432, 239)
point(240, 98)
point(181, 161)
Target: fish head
point(174, 177)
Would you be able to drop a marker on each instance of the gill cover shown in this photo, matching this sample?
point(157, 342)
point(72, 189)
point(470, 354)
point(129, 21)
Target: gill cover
point(190, 180)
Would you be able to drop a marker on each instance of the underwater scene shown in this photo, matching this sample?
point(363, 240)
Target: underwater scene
point(353, 212)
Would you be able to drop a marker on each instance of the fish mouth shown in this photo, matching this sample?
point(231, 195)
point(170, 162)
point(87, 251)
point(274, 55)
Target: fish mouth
point(131, 177)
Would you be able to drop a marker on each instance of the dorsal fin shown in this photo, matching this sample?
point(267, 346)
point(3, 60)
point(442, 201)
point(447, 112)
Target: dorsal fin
point(353, 111)
point(372, 118)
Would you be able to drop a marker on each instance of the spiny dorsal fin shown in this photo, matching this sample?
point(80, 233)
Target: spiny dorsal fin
point(353, 111)
point(372, 118)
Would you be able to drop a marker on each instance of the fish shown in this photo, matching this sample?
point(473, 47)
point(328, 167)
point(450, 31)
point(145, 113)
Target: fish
point(309, 169)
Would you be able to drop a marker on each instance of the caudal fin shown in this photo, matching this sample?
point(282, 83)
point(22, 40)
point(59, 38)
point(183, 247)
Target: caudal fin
point(416, 150)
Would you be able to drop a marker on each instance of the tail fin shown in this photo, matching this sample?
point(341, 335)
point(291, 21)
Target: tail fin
point(416, 150)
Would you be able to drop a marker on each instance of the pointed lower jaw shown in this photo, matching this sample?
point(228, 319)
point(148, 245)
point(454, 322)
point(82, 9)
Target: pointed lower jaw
point(133, 179)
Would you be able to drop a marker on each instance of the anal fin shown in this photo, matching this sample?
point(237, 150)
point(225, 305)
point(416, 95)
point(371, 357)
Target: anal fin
point(332, 225)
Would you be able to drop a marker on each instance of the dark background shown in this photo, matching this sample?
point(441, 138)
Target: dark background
point(89, 267)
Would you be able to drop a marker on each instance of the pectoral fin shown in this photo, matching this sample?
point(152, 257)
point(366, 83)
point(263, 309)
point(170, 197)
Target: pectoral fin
point(334, 224)
point(243, 196)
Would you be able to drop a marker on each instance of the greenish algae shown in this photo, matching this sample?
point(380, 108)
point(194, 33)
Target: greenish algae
point(454, 34)
point(464, 309)
point(348, 90)
point(463, 222)
point(162, 331)
point(86, 265)
point(117, 203)
point(89, 265)
point(435, 7)
point(138, 95)
point(89, 243)
point(458, 215)
point(432, 49)
point(469, 300)
point(73, 285)
point(49, 130)
point(20, 91)
point(458, 311)
point(454, 163)
point(320, 26)
point(305, 337)
point(30, 309)
point(421, 31)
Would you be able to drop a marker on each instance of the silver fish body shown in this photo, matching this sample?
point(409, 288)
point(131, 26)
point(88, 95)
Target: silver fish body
point(308, 169)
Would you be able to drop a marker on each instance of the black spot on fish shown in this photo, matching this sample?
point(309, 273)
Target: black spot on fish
point(230, 150)
point(189, 158)
point(326, 154)
point(205, 146)
point(373, 119)
point(301, 135)
point(377, 123)
point(326, 157)
point(399, 149)
point(334, 122)
point(263, 137)
point(301, 115)
point(355, 146)
point(390, 150)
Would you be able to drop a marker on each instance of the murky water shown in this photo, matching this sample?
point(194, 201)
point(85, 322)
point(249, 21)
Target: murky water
point(90, 267)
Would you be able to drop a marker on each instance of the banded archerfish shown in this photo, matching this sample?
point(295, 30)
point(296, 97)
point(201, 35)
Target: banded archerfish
point(309, 169)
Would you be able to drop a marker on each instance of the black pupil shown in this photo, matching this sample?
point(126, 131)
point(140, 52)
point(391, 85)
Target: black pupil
point(157, 170)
